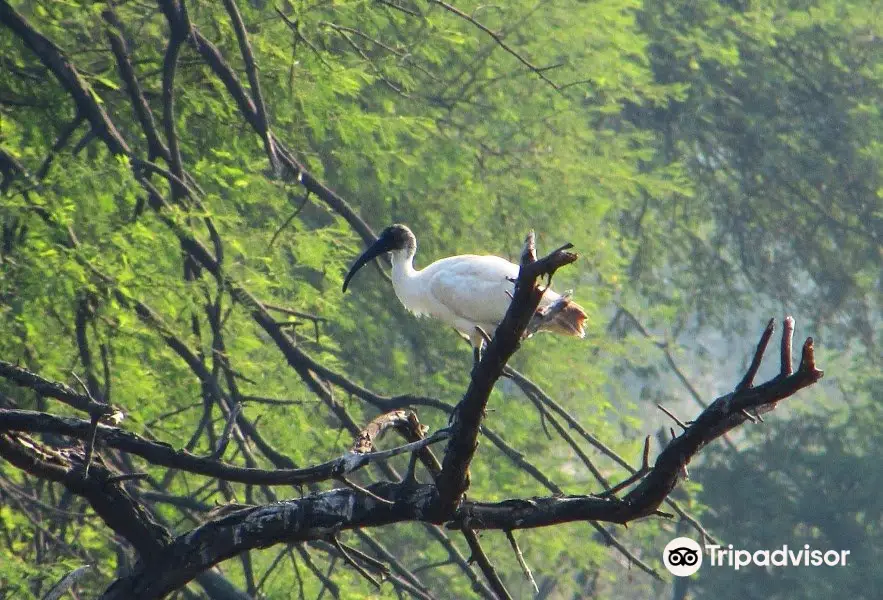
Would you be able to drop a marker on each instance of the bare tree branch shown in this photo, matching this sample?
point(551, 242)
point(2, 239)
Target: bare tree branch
point(467, 416)
point(155, 145)
point(22, 377)
point(114, 505)
point(165, 455)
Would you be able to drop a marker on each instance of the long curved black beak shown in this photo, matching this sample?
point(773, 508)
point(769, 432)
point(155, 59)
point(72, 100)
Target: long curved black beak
point(383, 244)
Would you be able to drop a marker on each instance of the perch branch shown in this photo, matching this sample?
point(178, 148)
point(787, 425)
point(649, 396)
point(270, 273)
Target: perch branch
point(468, 414)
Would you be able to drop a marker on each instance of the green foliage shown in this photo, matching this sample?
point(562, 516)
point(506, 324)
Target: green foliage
point(777, 133)
point(711, 161)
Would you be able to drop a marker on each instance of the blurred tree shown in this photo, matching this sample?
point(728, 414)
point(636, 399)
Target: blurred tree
point(779, 132)
point(801, 482)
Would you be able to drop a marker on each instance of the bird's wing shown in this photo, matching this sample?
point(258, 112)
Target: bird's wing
point(473, 287)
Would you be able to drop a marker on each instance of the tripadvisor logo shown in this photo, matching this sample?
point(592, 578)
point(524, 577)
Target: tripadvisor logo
point(683, 557)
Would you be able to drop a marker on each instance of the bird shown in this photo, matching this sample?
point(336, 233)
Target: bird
point(469, 292)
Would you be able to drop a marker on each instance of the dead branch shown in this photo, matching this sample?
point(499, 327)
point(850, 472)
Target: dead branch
point(404, 421)
point(467, 416)
point(165, 455)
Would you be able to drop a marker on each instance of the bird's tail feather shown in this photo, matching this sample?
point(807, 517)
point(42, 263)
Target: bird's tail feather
point(568, 321)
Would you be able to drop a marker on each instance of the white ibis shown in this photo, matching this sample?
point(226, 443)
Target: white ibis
point(467, 291)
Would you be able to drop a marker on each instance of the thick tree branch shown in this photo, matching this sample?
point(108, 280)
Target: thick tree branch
point(114, 505)
point(164, 455)
point(24, 378)
point(467, 416)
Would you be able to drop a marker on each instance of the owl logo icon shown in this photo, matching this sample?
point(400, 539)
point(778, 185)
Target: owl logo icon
point(682, 557)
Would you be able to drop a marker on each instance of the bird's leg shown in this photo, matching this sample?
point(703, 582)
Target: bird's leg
point(476, 355)
point(479, 340)
point(482, 338)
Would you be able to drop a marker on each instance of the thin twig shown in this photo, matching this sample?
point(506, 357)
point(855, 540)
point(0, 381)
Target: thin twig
point(401, 8)
point(749, 416)
point(484, 563)
point(251, 71)
point(228, 429)
point(63, 138)
point(127, 477)
point(636, 476)
point(289, 220)
point(499, 40)
point(93, 429)
point(361, 490)
point(298, 36)
point(359, 569)
point(671, 415)
point(669, 358)
point(521, 562)
point(267, 573)
point(65, 583)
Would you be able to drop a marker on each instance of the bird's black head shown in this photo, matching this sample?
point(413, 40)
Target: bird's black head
point(399, 237)
point(393, 238)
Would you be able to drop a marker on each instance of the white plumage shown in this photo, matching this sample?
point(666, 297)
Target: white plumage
point(467, 291)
